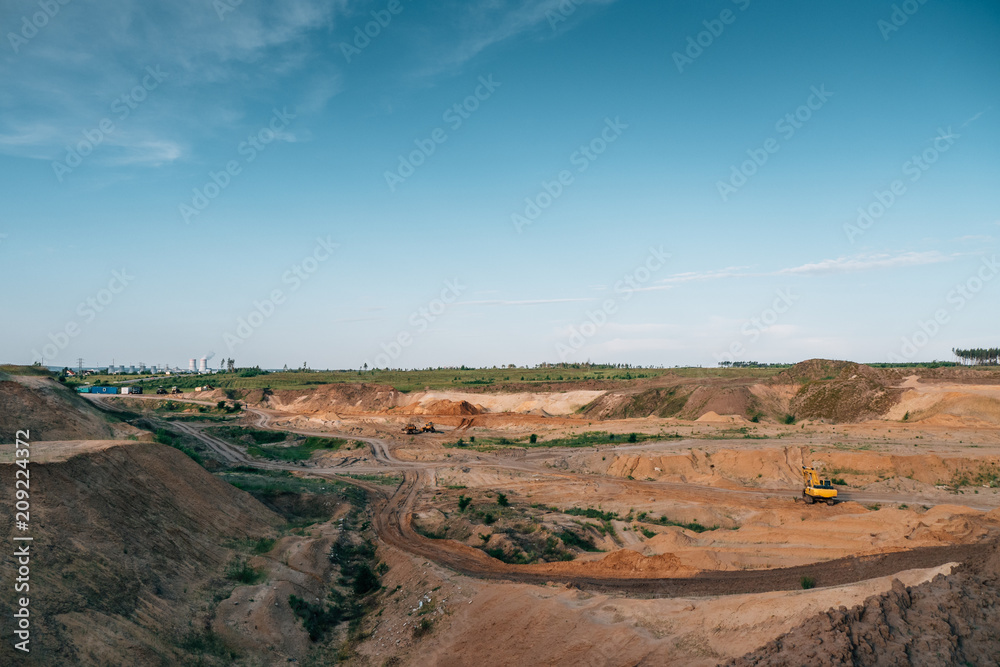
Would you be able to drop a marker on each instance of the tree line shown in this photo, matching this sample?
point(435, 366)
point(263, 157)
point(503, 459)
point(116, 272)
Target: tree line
point(980, 356)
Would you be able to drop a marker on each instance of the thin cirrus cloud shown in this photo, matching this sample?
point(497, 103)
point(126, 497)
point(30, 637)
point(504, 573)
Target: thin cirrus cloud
point(485, 23)
point(847, 264)
point(91, 55)
point(521, 302)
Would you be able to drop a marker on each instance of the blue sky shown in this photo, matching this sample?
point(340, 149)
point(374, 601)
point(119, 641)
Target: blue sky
point(529, 223)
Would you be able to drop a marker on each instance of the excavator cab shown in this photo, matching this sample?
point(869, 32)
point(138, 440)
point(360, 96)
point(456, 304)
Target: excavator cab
point(429, 428)
point(816, 489)
point(411, 429)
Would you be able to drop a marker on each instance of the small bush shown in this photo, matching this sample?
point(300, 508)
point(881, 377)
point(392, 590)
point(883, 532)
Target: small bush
point(502, 500)
point(789, 419)
point(533, 439)
point(463, 503)
point(242, 572)
point(423, 627)
point(365, 580)
point(315, 618)
point(807, 583)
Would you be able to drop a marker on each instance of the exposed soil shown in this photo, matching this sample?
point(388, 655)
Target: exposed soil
point(952, 620)
point(127, 539)
point(48, 409)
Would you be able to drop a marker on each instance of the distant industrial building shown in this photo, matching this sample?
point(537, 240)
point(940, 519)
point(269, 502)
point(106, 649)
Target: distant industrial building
point(203, 365)
point(191, 365)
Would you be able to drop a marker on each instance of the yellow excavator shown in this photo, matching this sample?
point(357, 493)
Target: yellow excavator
point(411, 429)
point(429, 428)
point(817, 490)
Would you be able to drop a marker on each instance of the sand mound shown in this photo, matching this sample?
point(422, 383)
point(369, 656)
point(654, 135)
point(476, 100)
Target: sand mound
point(52, 411)
point(440, 407)
point(708, 400)
point(659, 402)
point(858, 393)
point(132, 536)
point(623, 563)
point(343, 398)
point(950, 620)
point(553, 403)
point(626, 560)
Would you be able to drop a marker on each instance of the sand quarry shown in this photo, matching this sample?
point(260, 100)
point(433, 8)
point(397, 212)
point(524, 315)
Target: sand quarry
point(688, 545)
point(918, 468)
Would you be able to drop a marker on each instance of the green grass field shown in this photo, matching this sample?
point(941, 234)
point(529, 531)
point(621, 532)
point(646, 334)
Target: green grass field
point(442, 378)
point(547, 378)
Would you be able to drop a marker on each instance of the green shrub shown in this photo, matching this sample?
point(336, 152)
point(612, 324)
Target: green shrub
point(572, 539)
point(502, 500)
point(240, 571)
point(807, 582)
point(316, 619)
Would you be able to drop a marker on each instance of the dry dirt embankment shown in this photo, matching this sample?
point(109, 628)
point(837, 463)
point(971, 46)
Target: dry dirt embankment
point(950, 620)
point(48, 409)
point(838, 391)
point(780, 468)
point(127, 538)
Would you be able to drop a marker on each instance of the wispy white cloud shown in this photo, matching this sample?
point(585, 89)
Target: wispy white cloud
point(975, 118)
point(522, 302)
point(484, 23)
point(692, 276)
point(857, 263)
point(67, 79)
point(844, 264)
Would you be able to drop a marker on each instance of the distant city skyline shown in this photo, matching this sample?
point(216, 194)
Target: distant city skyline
point(485, 183)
